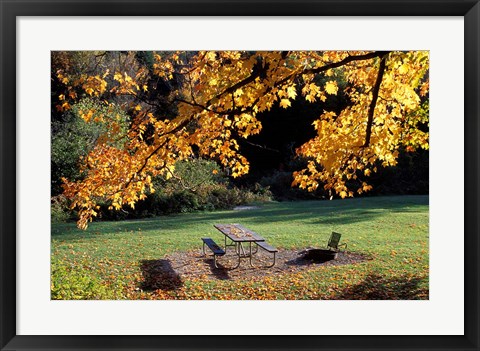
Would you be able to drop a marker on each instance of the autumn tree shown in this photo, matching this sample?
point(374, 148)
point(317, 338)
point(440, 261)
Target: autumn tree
point(185, 103)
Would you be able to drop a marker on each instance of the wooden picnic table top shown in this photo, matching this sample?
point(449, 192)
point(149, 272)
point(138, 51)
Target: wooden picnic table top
point(238, 233)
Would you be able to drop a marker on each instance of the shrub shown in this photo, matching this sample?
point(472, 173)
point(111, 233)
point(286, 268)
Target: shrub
point(197, 185)
point(59, 211)
point(72, 283)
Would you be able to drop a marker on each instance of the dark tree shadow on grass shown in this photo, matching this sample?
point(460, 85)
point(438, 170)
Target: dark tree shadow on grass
point(376, 287)
point(159, 274)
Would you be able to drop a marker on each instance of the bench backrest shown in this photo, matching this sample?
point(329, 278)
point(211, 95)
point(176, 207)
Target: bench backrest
point(334, 240)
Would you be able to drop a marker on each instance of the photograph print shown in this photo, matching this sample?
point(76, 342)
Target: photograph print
point(239, 175)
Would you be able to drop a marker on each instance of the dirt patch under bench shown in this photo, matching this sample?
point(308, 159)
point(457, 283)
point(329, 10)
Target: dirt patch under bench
point(193, 264)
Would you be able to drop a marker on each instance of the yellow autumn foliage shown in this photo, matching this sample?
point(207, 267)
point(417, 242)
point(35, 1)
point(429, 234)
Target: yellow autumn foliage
point(217, 98)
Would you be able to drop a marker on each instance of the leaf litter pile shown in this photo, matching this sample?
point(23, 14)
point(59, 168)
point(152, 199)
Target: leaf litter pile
point(193, 264)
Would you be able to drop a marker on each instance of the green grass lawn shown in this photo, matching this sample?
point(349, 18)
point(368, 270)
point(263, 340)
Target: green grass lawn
point(104, 261)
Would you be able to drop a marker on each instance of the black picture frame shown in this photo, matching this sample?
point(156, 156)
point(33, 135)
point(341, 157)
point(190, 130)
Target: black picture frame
point(9, 10)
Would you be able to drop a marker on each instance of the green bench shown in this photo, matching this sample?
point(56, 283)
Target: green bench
point(212, 245)
point(268, 248)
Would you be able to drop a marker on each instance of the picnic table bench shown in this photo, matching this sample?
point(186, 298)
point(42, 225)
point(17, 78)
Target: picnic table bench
point(212, 245)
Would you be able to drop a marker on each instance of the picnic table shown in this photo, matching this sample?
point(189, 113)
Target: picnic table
point(239, 235)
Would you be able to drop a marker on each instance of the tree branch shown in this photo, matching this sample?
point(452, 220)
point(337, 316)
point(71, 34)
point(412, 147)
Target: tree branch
point(260, 71)
point(260, 146)
point(373, 103)
point(345, 61)
point(332, 65)
point(257, 71)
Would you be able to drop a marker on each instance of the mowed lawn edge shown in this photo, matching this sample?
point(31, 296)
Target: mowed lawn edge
point(105, 261)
